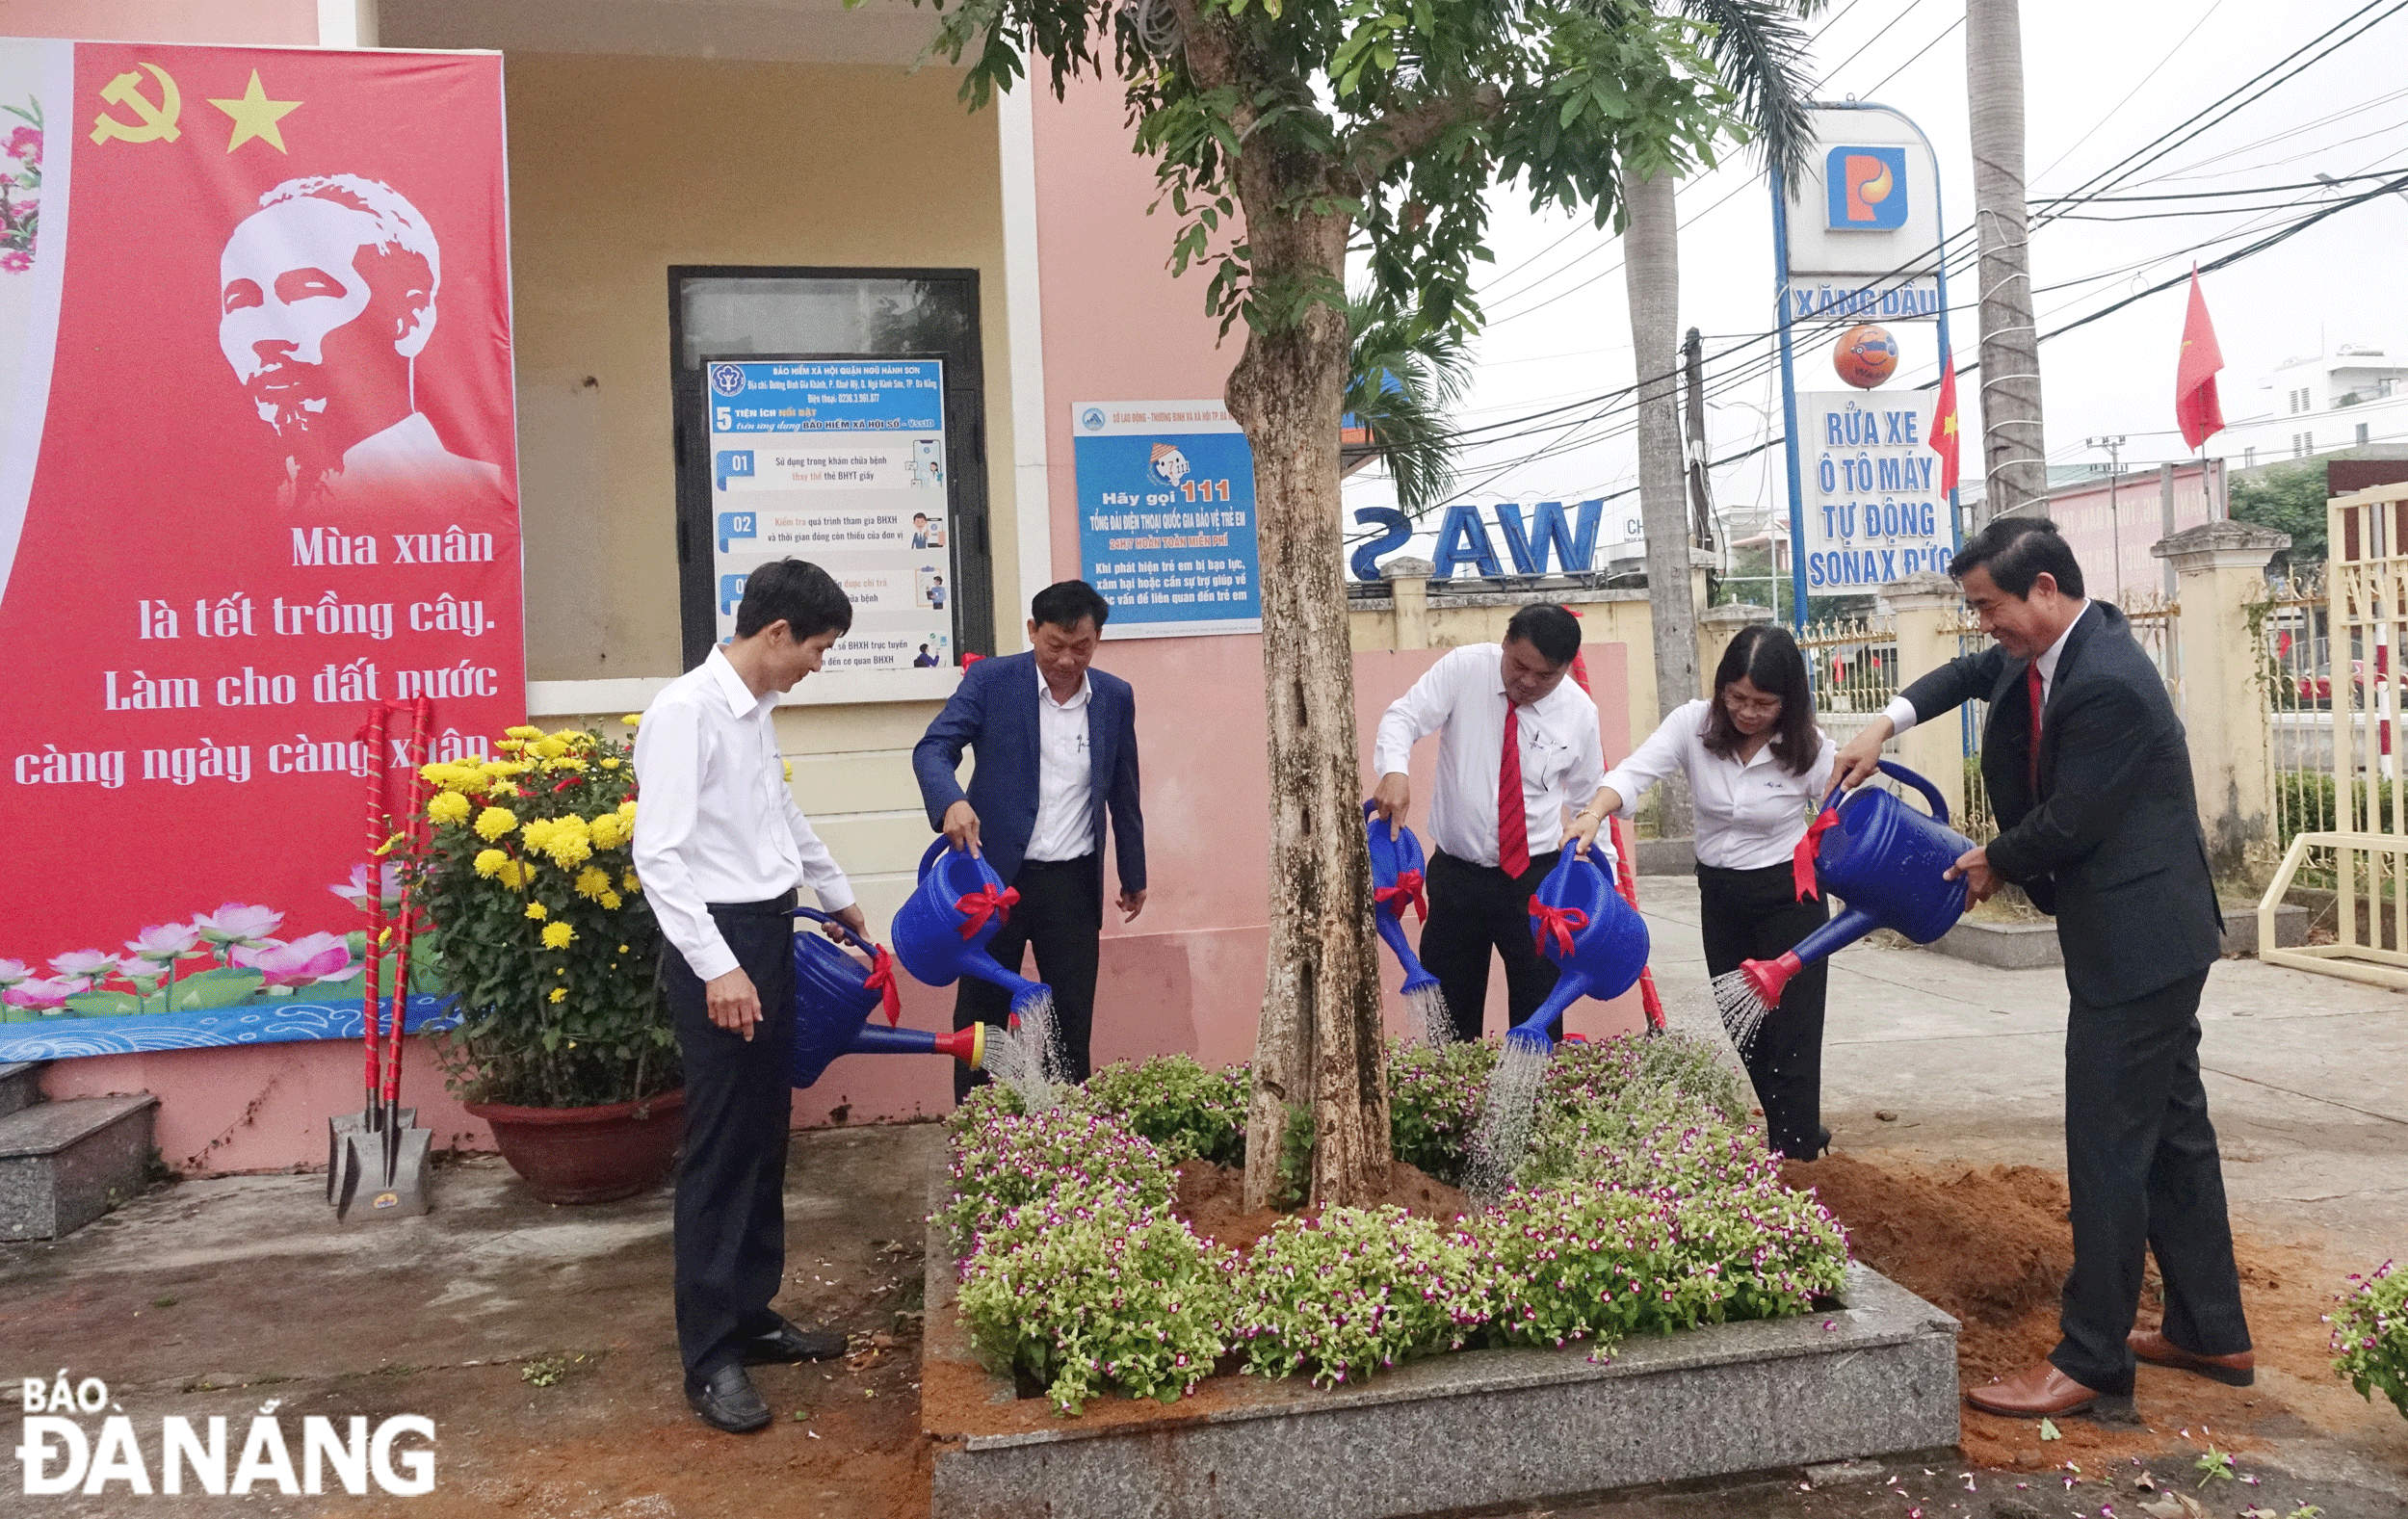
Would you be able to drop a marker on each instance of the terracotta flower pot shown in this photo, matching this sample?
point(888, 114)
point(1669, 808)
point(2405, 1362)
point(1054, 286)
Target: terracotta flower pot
point(588, 1154)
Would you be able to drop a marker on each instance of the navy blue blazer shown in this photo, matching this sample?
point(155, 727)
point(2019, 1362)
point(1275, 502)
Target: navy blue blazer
point(993, 712)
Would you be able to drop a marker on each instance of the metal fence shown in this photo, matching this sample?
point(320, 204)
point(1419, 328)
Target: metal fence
point(2291, 629)
point(1854, 666)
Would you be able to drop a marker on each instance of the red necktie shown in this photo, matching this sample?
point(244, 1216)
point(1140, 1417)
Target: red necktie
point(1513, 832)
point(2031, 683)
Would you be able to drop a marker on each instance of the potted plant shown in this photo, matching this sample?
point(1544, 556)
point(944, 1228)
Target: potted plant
point(540, 928)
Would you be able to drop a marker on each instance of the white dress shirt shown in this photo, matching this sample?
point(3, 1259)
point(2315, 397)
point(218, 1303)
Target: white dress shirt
point(1901, 711)
point(1462, 698)
point(1748, 815)
point(714, 819)
point(1065, 792)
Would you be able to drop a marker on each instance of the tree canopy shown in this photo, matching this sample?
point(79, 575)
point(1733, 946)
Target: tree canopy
point(2289, 500)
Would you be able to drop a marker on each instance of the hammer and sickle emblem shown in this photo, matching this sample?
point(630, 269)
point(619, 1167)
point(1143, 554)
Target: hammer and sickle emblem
point(158, 123)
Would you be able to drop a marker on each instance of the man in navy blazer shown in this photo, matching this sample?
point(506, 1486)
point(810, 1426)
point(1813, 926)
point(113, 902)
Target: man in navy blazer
point(1057, 750)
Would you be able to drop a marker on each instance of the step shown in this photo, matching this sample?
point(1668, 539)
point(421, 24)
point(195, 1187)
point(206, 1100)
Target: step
point(2031, 946)
point(21, 1085)
point(64, 1163)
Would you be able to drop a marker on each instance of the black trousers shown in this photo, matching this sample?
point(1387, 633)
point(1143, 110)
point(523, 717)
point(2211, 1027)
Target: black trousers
point(1755, 915)
point(730, 1217)
point(2141, 1163)
point(1061, 915)
point(1474, 909)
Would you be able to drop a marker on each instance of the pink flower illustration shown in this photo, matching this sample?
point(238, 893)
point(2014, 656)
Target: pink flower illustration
point(25, 144)
point(312, 957)
point(165, 941)
point(14, 971)
point(88, 964)
point(355, 890)
point(15, 261)
point(236, 924)
point(40, 992)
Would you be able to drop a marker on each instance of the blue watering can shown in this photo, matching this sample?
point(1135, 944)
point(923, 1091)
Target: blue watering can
point(942, 931)
point(834, 995)
point(1395, 884)
point(1597, 939)
point(1887, 862)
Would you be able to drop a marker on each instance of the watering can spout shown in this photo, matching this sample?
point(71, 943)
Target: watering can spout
point(834, 996)
point(966, 1046)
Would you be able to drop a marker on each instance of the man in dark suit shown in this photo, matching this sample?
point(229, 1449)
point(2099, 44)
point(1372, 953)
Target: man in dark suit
point(1057, 750)
point(2089, 776)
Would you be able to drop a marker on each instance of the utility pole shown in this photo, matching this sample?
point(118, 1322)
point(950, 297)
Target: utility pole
point(2114, 447)
point(2014, 463)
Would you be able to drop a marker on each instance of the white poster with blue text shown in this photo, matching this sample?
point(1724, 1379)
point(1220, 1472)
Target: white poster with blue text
point(1167, 528)
point(841, 462)
point(1874, 510)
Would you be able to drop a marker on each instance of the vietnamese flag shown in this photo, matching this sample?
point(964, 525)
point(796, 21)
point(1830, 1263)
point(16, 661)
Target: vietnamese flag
point(1945, 424)
point(2196, 410)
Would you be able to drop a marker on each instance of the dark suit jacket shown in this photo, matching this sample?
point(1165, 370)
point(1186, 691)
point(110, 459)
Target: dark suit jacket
point(2111, 844)
point(993, 712)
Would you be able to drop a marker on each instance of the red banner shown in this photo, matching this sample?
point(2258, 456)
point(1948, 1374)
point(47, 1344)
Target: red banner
point(257, 471)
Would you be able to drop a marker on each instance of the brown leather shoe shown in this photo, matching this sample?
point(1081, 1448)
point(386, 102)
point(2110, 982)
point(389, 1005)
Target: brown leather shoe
point(2233, 1370)
point(2043, 1391)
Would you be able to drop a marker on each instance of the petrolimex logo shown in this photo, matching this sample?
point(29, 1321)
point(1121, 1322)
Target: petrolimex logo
point(76, 1439)
point(1867, 188)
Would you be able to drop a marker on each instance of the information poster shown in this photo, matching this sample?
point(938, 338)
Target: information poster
point(1166, 525)
point(1874, 510)
point(256, 473)
point(841, 462)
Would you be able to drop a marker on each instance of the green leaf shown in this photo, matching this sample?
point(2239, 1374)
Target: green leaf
point(226, 987)
point(2048, 1430)
point(104, 1004)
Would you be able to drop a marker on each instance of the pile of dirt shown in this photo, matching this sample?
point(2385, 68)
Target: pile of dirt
point(1212, 1199)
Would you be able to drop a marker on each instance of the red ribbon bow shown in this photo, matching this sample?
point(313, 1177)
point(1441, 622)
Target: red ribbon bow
point(1802, 859)
point(1407, 889)
point(981, 904)
point(881, 980)
point(1562, 922)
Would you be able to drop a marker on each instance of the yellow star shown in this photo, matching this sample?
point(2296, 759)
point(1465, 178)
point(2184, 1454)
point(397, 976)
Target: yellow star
point(256, 115)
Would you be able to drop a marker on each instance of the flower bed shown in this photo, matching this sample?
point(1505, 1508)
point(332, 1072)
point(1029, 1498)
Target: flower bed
point(1645, 1205)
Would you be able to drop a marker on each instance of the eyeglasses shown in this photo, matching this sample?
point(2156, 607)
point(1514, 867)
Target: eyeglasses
point(1753, 707)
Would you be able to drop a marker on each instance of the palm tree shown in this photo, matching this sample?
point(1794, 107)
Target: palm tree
point(1403, 382)
point(1758, 49)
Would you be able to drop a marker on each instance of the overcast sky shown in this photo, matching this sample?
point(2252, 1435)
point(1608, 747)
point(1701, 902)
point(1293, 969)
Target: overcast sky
point(2100, 81)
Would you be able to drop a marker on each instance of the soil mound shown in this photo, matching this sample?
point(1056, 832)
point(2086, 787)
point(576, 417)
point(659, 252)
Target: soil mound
point(1212, 1198)
point(1984, 1245)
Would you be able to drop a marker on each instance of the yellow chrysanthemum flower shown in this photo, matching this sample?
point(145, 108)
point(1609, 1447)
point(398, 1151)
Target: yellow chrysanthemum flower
point(557, 936)
point(516, 875)
point(610, 830)
point(629, 883)
point(494, 821)
point(510, 746)
point(549, 747)
point(790, 770)
point(627, 808)
point(611, 900)
point(503, 788)
point(538, 830)
point(560, 994)
point(592, 882)
point(568, 840)
point(611, 763)
point(537, 912)
point(490, 863)
point(447, 806)
point(632, 719)
point(523, 731)
point(623, 949)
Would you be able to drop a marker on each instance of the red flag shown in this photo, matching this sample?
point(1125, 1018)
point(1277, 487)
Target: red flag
point(1943, 424)
point(2196, 410)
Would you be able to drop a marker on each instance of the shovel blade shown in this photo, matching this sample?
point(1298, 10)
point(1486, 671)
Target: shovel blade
point(338, 1128)
point(369, 1194)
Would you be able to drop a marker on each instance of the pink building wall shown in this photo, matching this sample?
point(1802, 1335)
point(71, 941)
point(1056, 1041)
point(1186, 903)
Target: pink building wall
point(288, 23)
point(2110, 534)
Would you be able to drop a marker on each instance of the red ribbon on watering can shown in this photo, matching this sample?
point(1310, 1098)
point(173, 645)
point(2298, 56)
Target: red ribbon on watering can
point(881, 980)
point(981, 904)
point(1802, 858)
point(1406, 890)
point(1562, 922)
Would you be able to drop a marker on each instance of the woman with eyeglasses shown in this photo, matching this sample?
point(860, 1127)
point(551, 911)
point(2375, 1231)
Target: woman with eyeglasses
point(1757, 769)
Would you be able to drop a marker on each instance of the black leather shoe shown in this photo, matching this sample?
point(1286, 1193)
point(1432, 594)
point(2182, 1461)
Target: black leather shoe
point(786, 1344)
point(726, 1400)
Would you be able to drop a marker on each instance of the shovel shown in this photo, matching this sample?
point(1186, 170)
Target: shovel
point(384, 1171)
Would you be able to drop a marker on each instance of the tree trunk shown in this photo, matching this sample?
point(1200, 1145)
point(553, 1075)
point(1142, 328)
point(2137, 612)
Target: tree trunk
point(2014, 463)
point(1651, 264)
point(1319, 1041)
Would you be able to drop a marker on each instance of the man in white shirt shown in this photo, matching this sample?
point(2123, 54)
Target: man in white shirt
point(1518, 747)
point(1056, 747)
point(721, 847)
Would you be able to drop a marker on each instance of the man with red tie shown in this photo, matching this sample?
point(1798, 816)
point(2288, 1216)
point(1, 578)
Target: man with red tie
point(1517, 750)
point(2089, 776)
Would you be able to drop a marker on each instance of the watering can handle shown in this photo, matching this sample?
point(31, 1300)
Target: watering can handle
point(851, 937)
point(1897, 771)
point(939, 846)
